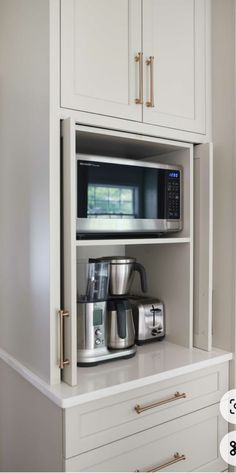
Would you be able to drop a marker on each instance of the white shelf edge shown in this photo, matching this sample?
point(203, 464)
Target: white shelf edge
point(133, 241)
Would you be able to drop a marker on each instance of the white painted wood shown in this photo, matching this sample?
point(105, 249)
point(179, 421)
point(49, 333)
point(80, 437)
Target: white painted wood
point(54, 170)
point(131, 241)
point(30, 427)
point(203, 245)
point(126, 144)
point(99, 42)
point(174, 33)
point(223, 136)
point(155, 446)
point(169, 277)
point(25, 299)
point(69, 249)
point(103, 381)
point(100, 422)
point(101, 121)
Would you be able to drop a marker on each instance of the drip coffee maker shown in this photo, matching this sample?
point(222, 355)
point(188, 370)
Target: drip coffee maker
point(94, 343)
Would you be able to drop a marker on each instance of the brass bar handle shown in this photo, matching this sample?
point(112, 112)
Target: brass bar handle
point(150, 62)
point(139, 59)
point(176, 459)
point(62, 314)
point(176, 397)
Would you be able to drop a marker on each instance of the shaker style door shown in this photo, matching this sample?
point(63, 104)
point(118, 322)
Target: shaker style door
point(101, 69)
point(174, 63)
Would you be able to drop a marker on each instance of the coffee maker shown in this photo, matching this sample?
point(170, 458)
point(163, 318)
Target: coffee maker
point(102, 334)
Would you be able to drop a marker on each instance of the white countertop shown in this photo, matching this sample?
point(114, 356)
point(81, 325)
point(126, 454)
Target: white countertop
point(152, 363)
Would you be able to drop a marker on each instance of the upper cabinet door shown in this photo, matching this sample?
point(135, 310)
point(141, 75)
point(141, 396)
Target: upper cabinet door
point(174, 77)
point(99, 42)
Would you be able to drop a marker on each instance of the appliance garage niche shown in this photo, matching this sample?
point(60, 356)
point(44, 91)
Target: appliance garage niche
point(96, 262)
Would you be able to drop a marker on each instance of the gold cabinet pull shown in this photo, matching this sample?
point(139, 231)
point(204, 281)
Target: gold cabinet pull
point(62, 314)
point(176, 397)
point(139, 59)
point(176, 458)
point(150, 62)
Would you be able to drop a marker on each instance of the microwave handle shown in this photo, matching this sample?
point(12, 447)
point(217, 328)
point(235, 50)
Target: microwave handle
point(143, 277)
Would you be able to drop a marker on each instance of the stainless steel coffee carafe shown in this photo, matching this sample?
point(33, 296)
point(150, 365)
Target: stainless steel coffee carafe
point(121, 332)
point(122, 271)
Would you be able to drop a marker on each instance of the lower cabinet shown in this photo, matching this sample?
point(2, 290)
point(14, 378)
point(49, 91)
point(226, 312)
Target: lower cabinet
point(100, 422)
point(188, 443)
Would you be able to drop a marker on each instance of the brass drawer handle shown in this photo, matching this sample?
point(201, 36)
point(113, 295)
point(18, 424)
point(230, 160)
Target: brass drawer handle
point(139, 59)
point(150, 62)
point(176, 397)
point(176, 458)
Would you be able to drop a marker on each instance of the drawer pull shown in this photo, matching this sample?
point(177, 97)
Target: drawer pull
point(176, 458)
point(176, 397)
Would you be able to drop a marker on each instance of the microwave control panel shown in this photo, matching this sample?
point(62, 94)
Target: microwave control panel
point(173, 191)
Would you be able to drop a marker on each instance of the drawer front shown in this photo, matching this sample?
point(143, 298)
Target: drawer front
point(194, 437)
point(106, 420)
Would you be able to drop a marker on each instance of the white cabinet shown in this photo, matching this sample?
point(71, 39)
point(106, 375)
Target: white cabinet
point(190, 443)
point(100, 40)
point(106, 46)
point(99, 422)
point(168, 261)
point(174, 36)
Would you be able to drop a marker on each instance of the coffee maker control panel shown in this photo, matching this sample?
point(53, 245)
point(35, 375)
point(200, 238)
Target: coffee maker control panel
point(98, 324)
point(99, 338)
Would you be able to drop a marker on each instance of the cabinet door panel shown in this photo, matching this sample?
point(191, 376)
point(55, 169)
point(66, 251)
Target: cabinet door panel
point(99, 42)
point(174, 33)
point(203, 245)
point(69, 373)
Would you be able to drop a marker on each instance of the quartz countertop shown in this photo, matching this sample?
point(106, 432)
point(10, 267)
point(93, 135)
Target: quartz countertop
point(152, 363)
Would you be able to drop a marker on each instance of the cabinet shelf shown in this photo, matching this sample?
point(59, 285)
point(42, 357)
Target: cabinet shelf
point(132, 241)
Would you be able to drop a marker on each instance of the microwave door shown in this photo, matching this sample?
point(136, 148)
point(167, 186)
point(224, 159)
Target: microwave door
point(113, 197)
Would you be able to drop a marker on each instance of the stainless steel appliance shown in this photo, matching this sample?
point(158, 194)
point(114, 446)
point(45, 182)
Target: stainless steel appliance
point(123, 196)
point(121, 332)
point(149, 319)
point(92, 330)
point(122, 271)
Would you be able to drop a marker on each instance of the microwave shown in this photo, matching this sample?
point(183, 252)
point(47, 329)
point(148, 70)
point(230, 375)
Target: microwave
point(117, 196)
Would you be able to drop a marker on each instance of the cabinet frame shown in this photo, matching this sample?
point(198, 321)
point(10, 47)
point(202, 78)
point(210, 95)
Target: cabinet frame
point(71, 245)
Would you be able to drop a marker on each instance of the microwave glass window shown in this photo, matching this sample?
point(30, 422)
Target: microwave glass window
point(117, 191)
point(106, 201)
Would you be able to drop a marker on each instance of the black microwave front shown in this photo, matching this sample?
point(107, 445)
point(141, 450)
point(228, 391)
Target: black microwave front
point(117, 196)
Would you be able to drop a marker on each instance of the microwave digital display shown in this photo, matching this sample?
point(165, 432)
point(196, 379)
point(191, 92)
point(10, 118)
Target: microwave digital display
point(174, 175)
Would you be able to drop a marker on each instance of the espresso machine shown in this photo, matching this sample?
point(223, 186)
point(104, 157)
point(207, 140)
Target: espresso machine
point(105, 329)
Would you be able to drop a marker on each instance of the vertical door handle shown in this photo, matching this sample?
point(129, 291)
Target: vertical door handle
point(62, 362)
point(139, 59)
point(150, 62)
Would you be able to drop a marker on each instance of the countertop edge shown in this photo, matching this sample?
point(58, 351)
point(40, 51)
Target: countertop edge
point(76, 400)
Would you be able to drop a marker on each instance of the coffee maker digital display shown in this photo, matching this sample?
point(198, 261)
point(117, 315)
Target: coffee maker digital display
point(97, 316)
